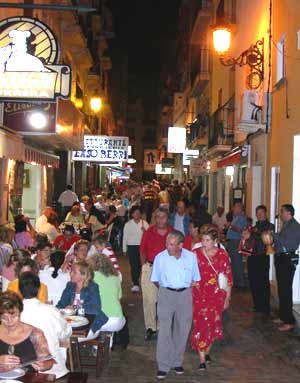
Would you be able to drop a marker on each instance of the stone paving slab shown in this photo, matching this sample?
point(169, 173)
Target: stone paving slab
point(253, 350)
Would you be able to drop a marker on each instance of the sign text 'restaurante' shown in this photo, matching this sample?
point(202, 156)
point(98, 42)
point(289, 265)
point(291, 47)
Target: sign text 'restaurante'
point(103, 148)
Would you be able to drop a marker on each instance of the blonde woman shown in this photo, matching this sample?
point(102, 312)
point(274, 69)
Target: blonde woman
point(82, 290)
point(107, 278)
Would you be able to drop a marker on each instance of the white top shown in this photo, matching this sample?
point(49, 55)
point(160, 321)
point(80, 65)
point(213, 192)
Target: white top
point(42, 220)
point(56, 285)
point(133, 233)
point(121, 210)
point(67, 198)
point(55, 328)
point(178, 223)
point(50, 231)
point(219, 221)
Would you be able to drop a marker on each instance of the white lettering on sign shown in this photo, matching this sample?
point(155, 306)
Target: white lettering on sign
point(103, 149)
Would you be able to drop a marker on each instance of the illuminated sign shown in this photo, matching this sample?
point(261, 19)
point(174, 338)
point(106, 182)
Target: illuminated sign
point(160, 170)
point(103, 149)
point(30, 117)
point(188, 155)
point(29, 67)
point(176, 140)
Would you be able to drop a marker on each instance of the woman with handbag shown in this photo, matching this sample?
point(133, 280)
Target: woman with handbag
point(211, 296)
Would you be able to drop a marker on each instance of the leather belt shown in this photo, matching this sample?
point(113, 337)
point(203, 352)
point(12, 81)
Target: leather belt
point(285, 253)
point(177, 290)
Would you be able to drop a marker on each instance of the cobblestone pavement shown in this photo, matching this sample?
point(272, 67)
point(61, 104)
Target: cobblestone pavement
point(253, 350)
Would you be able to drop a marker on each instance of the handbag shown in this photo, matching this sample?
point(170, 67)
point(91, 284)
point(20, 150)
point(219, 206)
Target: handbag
point(222, 278)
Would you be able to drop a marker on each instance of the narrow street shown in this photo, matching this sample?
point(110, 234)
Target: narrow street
point(253, 350)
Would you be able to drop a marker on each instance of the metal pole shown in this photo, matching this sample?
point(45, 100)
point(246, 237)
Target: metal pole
point(53, 7)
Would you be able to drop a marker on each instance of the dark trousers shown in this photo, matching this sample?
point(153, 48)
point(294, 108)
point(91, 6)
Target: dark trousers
point(148, 207)
point(258, 274)
point(135, 263)
point(236, 263)
point(285, 271)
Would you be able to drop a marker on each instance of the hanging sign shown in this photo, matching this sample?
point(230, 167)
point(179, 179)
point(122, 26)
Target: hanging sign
point(176, 139)
point(29, 68)
point(102, 149)
point(150, 159)
point(18, 117)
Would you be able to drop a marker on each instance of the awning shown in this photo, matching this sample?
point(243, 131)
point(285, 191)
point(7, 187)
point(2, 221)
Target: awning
point(41, 158)
point(230, 159)
point(11, 145)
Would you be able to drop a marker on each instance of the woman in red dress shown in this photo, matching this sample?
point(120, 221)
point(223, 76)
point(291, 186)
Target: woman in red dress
point(209, 300)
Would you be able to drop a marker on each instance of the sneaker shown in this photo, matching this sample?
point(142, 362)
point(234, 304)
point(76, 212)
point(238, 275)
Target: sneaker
point(202, 367)
point(161, 375)
point(149, 334)
point(135, 289)
point(179, 370)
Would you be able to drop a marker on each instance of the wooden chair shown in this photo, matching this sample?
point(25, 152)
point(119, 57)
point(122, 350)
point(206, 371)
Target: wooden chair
point(102, 355)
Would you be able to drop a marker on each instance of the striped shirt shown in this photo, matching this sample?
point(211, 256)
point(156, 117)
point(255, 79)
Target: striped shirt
point(108, 251)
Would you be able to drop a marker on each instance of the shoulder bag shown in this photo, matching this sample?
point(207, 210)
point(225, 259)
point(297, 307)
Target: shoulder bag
point(222, 278)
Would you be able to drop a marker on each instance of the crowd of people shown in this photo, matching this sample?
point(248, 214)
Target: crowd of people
point(184, 261)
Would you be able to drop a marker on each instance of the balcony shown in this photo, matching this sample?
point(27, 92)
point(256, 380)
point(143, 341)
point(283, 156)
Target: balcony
point(197, 133)
point(221, 129)
point(199, 69)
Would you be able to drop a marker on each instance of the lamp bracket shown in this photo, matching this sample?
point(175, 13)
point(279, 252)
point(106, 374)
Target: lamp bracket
point(254, 58)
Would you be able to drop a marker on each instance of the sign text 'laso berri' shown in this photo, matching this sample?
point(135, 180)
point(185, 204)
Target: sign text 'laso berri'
point(103, 149)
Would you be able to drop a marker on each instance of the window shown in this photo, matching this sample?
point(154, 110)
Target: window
point(281, 59)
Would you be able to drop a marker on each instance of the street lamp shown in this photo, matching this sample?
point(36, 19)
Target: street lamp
point(253, 56)
point(38, 120)
point(221, 39)
point(95, 104)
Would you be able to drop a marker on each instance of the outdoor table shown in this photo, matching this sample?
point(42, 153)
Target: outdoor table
point(37, 377)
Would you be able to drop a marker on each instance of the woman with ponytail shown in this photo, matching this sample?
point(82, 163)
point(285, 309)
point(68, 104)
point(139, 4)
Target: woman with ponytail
point(54, 278)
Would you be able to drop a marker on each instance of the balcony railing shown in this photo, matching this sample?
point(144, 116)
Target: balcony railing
point(221, 129)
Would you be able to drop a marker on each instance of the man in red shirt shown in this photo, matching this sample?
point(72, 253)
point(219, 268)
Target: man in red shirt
point(65, 241)
point(153, 242)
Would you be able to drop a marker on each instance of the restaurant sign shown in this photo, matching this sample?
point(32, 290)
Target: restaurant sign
point(29, 68)
point(102, 149)
point(18, 117)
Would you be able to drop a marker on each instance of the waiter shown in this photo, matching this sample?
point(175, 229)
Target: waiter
point(153, 242)
point(260, 264)
point(174, 271)
point(286, 244)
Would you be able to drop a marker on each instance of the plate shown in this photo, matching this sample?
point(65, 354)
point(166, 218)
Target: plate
point(12, 374)
point(10, 381)
point(77, 320)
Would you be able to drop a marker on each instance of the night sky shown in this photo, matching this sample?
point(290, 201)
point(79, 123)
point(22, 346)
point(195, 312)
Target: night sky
point(139, 26)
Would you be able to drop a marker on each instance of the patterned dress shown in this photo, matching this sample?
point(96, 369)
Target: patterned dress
point(208, 300)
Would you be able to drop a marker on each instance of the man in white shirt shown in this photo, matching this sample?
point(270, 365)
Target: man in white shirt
point(132, 236)
point(219, 218)
point(46, 318)
point(66, 199)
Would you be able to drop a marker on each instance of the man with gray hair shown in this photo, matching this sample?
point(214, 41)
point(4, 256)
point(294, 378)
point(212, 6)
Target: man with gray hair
point(174, 271)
